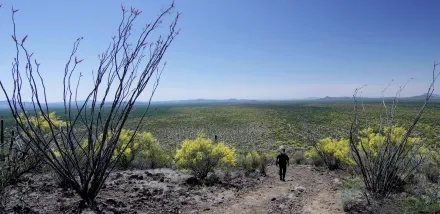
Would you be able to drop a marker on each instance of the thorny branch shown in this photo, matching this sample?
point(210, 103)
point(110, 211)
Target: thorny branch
point(83, 150)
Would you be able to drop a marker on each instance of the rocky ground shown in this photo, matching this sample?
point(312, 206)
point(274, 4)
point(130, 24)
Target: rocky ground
point(307, 190)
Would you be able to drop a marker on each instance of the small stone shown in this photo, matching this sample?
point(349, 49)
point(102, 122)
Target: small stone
point(136, 177)
point(291, 196)
point(336, 181)
point(299, 189)
point(119, 175)
point(192, 181)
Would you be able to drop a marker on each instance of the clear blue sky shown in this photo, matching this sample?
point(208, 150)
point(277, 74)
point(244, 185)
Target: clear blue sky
point(246, 48)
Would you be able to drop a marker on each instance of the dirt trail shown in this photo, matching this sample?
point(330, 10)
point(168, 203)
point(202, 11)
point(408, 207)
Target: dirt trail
point(306, 190)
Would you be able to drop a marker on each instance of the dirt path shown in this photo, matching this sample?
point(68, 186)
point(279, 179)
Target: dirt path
point(306, 190)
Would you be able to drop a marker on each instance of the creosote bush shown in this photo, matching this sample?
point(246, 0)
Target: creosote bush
point(200, 156)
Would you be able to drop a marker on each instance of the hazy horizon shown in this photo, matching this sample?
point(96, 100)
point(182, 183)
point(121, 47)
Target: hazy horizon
point(246, 49)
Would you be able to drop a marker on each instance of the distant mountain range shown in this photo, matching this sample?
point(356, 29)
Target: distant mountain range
point(413, 98)
point(4, 104)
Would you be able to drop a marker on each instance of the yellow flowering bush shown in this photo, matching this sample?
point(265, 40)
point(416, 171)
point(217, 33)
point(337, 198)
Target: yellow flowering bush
point(45, 128)
point(373, 142)
point(201, 156)
point(41, 122)
point(144, 147)
point(333, 153)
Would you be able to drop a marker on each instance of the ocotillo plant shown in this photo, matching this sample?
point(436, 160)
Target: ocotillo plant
point(82, 151)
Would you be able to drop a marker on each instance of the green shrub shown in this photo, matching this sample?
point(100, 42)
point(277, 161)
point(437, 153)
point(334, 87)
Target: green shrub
point(333, 153)
point(253, 160)
point(431, 170)
point(418, 205)
point(298, 157)
point(431, 165)
point(264, 161)
point(201, 156)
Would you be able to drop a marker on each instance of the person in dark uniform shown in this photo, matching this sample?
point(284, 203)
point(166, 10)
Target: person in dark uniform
point(282, 161)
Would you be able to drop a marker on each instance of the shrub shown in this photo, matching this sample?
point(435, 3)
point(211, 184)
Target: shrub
point(298, 157)
point(143, 147)
point(387, 158)
point(431, 165)
point(418, 205)
point(201, 156)
point(333, 153)
point(254, 160)
point(376, 152)
point(16, 159)
point(264, 161)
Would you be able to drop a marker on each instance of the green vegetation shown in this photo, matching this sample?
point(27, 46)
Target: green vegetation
point(250, 134)
point(200, 156)
point(418, 205)
point(334, 153)
point(143, 148)
point(254, 160)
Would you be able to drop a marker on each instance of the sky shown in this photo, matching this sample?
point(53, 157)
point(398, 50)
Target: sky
point(244, 49)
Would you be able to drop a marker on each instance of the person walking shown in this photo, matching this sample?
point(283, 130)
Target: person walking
point(282, 161)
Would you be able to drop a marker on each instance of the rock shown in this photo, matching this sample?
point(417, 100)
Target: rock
point(88, 211)
point(136, 177)
point(211, 179)
point(192, 181)
point(119, 175)
point(156, 177)
point(291, 196)
point(207, 209)
point(299, 189)
point(273, 199)
point(336, 181)
point(114, 203)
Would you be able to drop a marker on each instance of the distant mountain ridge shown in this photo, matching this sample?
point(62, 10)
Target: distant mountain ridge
point(4, 104)
point(412, 98)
